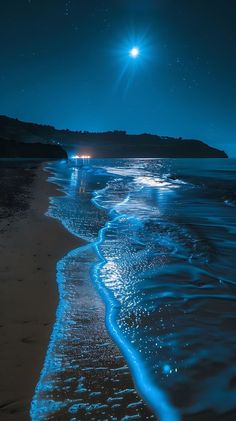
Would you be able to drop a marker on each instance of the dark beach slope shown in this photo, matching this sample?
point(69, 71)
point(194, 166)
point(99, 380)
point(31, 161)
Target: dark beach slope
point(30, 245)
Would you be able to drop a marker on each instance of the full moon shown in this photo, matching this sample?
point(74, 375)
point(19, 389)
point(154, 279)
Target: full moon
point(134, 52)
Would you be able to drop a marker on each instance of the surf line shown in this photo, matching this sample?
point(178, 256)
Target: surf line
point(151, 393)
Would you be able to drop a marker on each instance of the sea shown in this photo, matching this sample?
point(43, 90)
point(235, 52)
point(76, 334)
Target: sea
point(159, 256)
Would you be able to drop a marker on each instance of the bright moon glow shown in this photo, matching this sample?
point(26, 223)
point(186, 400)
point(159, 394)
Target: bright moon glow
point(134, 52)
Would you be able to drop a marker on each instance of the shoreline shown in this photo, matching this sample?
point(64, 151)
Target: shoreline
point(29, 295)
point(84, 372)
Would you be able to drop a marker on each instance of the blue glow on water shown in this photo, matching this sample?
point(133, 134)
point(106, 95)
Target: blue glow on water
point(155, 230)
point(156, 397)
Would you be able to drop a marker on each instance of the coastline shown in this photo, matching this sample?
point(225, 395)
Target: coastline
point(84, 372)
point(60, 361)
point(33, 249)
point(31, 244)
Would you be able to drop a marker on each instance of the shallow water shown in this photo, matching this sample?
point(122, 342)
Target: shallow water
point(161, 244)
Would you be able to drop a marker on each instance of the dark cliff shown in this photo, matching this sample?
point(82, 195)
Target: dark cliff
point(109, 144)
point(13, 149)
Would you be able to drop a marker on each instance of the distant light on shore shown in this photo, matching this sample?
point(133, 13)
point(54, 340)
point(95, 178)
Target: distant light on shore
point(81, 157)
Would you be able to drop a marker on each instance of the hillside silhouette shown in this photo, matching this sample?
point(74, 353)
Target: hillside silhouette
point(108, 144)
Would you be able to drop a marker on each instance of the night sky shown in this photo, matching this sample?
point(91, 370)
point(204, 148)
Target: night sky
point(67, 63)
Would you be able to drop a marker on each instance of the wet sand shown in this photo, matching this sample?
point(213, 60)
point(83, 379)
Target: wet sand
point(30, 246)
point(85, 376)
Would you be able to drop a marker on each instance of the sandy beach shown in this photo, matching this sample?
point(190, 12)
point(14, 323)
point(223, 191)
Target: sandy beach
point(31, 243)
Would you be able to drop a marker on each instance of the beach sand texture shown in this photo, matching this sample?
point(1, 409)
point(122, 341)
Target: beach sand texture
point(30, 245)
